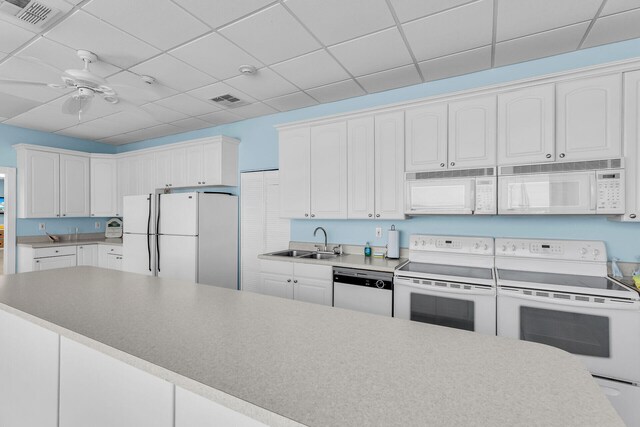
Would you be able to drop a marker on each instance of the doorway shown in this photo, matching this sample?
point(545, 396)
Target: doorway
point(7, 220)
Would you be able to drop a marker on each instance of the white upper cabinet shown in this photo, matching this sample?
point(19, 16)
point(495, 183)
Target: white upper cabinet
point(426, 138)
point(526, 131)
point(328, 161)
point(123, 165)
point(472, 132)
point(295, 185)
point(38, 184)
point(361, 168)
point(389, 165)
point(104, 187)
point(210, 163)
point(632, 145)
point(75, 191)
point(142, 174)
point(163, 169)
point(589, 118)
point(178, 167)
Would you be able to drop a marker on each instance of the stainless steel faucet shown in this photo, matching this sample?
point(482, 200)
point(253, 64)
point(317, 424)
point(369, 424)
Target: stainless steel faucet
point(325, 236)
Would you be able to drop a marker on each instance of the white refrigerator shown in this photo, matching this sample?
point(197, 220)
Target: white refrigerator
point(139, 236)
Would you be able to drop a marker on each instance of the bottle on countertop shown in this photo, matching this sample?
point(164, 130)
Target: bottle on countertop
point(367, 250)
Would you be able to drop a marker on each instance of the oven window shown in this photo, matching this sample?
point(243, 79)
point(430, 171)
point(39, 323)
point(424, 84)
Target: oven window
point(454, 313)
point(576, 333)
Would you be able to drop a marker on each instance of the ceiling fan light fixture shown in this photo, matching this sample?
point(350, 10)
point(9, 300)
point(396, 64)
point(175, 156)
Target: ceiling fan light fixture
point(111, 99)
point(247, 69)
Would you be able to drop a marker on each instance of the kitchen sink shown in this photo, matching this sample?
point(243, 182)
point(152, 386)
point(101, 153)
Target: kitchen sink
point(316, 255)
point(291, 253)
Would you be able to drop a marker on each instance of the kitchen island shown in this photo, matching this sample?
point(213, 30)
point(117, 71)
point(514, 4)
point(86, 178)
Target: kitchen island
point(277, 361)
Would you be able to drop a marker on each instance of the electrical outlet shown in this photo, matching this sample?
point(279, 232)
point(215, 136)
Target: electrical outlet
point(41, 226)
point(97, 225)
point(378, 232)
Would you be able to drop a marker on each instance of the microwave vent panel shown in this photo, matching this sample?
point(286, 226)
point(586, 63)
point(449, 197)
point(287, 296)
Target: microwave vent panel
point(561, 167)
point(457, 173)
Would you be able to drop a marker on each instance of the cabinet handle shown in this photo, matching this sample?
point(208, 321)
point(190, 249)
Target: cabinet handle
point(295, 281)
point(57, 251)
point(306, 215)
point(199, 183)
point(64, 214)
point(377, 215)
point(562, 155)
point(37, 261)
point(313, 215)
point(203, 182)
point(548, 156)
point(452, 163)
point(370, 215)
point(288, 280)
point(441, 165)
point(632, 216)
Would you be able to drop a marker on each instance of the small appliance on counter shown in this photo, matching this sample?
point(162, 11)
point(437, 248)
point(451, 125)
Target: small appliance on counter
point(113, 229)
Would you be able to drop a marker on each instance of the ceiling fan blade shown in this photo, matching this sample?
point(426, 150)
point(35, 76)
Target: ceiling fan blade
point(40, 62)
point(76, 105)
point(30, 83)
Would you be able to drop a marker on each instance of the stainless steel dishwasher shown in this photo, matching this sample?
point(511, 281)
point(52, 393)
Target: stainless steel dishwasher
point(363, 290)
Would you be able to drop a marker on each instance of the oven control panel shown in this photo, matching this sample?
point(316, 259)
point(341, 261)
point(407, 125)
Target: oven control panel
point(571, 250)
point(452, 244)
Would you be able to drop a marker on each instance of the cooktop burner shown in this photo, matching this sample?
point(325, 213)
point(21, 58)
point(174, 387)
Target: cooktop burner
point(571, 280)
point(447, 270)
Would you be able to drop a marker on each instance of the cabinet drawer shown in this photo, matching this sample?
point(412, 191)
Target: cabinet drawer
point(311, 271)
point(54, 251)
point(277, 267)
point(111, 249)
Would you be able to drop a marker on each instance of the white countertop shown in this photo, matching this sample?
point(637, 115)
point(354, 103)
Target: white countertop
point(345, 260)
point(50, 244)
point(317, 365)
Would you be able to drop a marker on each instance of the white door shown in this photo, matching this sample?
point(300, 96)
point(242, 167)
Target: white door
point(51, 263)
point(42, 183)
point(361, 168)
point(104, 187)
point(276, 285)
point(194, 163)
point(87, 255)
point(178, 257)
point(74, 186)
point(138, 253)
point(526, 125)
point(313, 290)
point(472, 132)
point(294, 158)
point(212, 166)
point(178, 167)
point(328, 157)
point(162, 169)
point(426, 138)
point(178, 214)
point(28, 373)
point(589, 118)
point(389, 166)
point(193, 410)
point(139, 214)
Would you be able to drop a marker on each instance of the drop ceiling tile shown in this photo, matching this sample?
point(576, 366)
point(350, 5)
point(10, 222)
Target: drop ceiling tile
point(129, 121)
point(46, 118)
point(373, 53)
point(117, 140)
point(84, 31)
point(455, 30)
point(254, 110)
point(220, 12)
point(206, 93)
point(336, 91)
point(390, 79)
point(214, 55)
point(311, 70)
point(518, 18)
point(154, 132)
point(292, 101)
point(271, 35)
point(144, 18)
point(408, 10)
point(172, 72)
point(457, 64)
point(99, 108)
point(11, 105)
point(220, 118)
point(131, 88)
point(19, 69)
point(188, 105)
point(163, 114)
point(613, 28)
point(616, 6)
point(191, 123)
point(264, 84)
point(93, 130)
point(334, 21)
point(57, 58)
point(540, 45)
point(13, 37)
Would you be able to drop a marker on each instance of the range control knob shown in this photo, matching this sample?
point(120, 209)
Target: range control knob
point(513, 248)
point(504, 248)
point(379, 284)
point(583, 251)
point(476, 246)
point(424, 243)
point(596, 252)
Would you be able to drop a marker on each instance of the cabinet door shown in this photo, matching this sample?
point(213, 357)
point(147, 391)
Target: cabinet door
point(142, 177)
point(361, 168)
point(28, 373)
point(178, 167)
point(124, 181)
point(105, 254)
point(589, 118)
point(194, 165)
point(87, 255)
point(526, 132)
point(632, 145)
point(104, 187)
point(426, 138)
point(295, 147)
point(74, 186)
point(114, 262)
point(329, 171)
point(163, 169)
point(389, 165)
point(42, 184)
point(100, 391)
point(313, 291)
point(212, 158)
point(193, 410)
point(52, 263)
point(472, 132)
point(277, 285)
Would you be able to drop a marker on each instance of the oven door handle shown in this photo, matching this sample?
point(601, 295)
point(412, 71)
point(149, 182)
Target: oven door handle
point(431, 289)
point(567, 303)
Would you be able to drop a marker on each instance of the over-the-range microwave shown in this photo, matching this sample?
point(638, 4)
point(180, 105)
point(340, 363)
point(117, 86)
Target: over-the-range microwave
point(464, 192)
point(589, 187)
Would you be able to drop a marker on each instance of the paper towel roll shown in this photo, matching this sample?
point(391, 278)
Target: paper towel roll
point(393, 243)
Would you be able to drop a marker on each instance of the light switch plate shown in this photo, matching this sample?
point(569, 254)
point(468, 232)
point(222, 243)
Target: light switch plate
point(97, 225)
point(378, 232)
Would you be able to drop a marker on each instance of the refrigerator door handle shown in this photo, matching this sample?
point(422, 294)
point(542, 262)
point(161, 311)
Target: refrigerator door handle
point(158, 234)
point(149, 230)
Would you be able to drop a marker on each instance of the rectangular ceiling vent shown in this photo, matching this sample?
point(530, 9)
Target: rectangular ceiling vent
point(29, 11)
point(229, 101)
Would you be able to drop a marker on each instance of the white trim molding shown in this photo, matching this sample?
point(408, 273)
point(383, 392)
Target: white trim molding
point(9, 219)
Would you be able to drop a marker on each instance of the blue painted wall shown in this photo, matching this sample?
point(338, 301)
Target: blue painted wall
point(11, 135)
point(259, 150)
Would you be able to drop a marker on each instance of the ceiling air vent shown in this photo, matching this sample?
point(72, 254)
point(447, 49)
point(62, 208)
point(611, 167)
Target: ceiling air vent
point(29, 11)
point(229, 101)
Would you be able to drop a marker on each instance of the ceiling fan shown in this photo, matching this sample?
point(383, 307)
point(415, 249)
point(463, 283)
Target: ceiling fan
point(86, 84)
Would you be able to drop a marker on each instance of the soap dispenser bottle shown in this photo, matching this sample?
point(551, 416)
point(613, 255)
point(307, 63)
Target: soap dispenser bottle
point(367, 250)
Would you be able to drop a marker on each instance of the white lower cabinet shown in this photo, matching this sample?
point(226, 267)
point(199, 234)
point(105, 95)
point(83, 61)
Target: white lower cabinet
point(99, 391)
point(299, 281)
point(110, 256)
point(193, 410)
point(39, 259)
point(28, 373)
point(51, 263)
point(87, 255)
